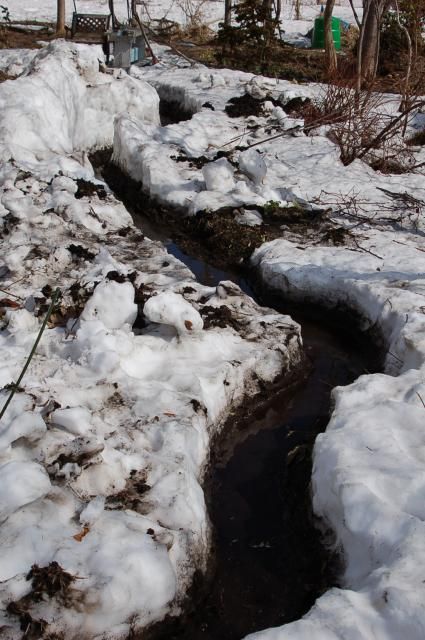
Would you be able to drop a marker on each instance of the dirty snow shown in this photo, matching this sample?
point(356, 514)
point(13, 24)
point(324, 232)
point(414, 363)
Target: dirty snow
point(368, 478)
point(104, 446)
point(110, 435)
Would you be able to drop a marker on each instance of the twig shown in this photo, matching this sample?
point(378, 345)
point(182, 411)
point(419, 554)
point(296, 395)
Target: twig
point(356, 17)
point(15, 386)
point(11, 294)
point(420, 398)
point(395, 357)
point(375, 255)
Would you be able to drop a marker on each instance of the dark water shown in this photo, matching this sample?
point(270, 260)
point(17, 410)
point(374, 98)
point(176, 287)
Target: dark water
point(270, 561)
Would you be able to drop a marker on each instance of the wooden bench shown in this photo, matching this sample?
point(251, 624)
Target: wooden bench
point(89, 23)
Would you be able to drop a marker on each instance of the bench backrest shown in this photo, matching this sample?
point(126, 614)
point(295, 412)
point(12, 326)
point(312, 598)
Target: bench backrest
point(90, 23)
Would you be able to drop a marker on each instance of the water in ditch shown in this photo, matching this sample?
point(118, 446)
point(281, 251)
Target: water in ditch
point(269, 561)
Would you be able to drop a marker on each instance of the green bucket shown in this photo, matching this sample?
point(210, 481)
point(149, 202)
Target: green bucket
point(318, 40)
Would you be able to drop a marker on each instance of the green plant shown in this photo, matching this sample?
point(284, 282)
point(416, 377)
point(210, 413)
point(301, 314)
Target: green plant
point(271, 206)
point(393, 39)
point(256, 27)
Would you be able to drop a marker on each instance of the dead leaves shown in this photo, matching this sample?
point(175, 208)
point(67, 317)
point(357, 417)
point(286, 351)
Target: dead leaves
point(11, 304)
point(79, 536)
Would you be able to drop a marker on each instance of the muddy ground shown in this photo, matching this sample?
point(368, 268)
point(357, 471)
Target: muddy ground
point(218, 232)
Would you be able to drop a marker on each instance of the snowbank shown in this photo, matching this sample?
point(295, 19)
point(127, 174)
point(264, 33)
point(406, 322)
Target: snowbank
point(153, 155)
point(369, 467)
point(71, 110)
point(369, 474)
point(103, 450)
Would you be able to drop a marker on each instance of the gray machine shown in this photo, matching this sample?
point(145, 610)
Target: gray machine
point(128, 46)
point(125, 43)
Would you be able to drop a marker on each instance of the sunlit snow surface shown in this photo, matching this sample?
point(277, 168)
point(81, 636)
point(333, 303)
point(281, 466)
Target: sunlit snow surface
point(212, 12)
point(368, 478)
point(369, 474)
point(103, 450)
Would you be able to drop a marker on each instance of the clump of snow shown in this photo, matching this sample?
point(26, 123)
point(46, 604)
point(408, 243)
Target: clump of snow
point(249, 218)
point(112, 304)
point(76, 420)
point(21, 483)
point(27, 425)
point(218, 175)
point(252, 163)
point(93, 510)
point(172, 309)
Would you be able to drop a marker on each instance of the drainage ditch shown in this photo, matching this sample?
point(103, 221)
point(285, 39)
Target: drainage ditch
point(271, 558)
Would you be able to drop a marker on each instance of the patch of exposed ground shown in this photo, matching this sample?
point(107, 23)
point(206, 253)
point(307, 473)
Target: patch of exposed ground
point(18, 37)
point(4, 76)
point(219, 232)
point(46, 583)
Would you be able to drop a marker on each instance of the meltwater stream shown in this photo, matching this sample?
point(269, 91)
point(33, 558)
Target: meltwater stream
point(269, 561)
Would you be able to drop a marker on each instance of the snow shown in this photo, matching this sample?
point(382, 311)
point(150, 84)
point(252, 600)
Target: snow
point(211, 12)
point(218, 176)
point(99, 309)
point(33, 484)
point(110, 433)
point(172, 309)
point(253, 165)
point(15, 61)
point(368, 477)
point(109, 406)
point(79, 107)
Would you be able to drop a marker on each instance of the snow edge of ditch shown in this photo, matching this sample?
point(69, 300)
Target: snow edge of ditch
point(368, 479)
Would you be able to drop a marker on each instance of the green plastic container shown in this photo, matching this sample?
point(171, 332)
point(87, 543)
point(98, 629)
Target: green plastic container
point(318, 40)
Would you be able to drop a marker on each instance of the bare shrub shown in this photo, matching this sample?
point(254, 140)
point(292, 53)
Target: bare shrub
point(194, 12)
point(399, 210)
point(363, 126)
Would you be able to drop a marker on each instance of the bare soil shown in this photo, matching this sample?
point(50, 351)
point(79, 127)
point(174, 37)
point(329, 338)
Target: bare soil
point(13, 37)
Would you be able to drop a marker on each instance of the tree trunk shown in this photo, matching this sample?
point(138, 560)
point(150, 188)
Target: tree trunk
point(228, 13)
point(278, 12)
point(269, 25)
point(373, 10)
point(60, 23)
point(331, 59)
